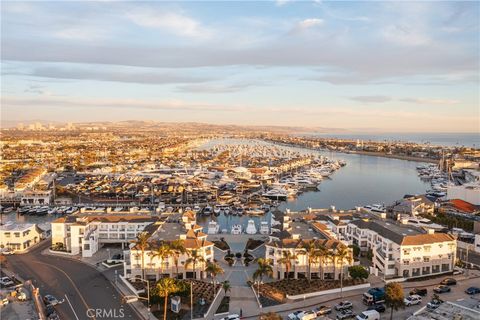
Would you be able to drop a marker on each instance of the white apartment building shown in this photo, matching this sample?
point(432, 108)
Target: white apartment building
point(188, 233)
point(19, 237)
point(85, 234)
point(35, 198)
point(402, 250)
point(293, 241)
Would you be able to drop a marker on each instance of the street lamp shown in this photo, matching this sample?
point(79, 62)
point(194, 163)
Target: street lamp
point(148, 295)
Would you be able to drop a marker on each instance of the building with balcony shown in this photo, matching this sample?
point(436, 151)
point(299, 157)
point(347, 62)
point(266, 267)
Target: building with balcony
point(85, 234)
point(181, 229)
point(400, 250)
point(293, 238)
point(36, 198)
point(19, 238)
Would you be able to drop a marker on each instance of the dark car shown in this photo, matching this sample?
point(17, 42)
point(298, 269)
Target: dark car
point(419, 291)
point(472, 290)
point(322, 310)
point(441, 289)
point(449, 282)
point(49, 309)
point(434, 304)
point(379, 307)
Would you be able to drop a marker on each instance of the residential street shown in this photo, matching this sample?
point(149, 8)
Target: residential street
point(86, 292)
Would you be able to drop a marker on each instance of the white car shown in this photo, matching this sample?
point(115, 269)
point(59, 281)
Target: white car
point(412, 300)
point(307, 315)
point(231, 317)
point(295, 315)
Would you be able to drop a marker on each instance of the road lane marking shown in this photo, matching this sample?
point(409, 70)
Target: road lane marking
point(70, 279)
point(68, 300)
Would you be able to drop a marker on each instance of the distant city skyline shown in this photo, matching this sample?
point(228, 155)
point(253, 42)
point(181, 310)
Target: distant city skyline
point(358, 66)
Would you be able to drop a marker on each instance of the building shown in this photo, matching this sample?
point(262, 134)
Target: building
point(36, 198)
point(19, 237)
point(400, 250)
point(413, 206)
point(462, 309)
point(29, 179)
point(293, 237)
point(469, 192)
point(184, 230)
point(86, 234)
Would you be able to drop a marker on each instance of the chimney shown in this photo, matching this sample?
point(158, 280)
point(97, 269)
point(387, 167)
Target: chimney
point(430, 231)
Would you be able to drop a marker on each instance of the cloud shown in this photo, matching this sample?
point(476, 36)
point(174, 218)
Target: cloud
point(129, 75)
point(430, 101)
point(405, 35)
point(310, 23)
point(214, 88)
point(173, 22)
point(371, 99)
point(281, 3)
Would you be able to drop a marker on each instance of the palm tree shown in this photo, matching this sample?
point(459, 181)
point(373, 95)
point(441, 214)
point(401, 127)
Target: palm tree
point(286, 259)
point(178, 248)
point(332, 258)
point(342, 254)
point(214, 270)
point(322, 255)
point(162, 252)
point(264, 269)
point(165, 286)
point(142, 243)
point(193, 260)
point(394, 296)
point(226, 286)
point(311, 252)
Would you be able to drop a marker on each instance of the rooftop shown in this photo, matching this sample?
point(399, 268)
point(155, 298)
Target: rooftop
point(16, 227)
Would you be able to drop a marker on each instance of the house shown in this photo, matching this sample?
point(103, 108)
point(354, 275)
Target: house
point(19, 237)
point(413, 206)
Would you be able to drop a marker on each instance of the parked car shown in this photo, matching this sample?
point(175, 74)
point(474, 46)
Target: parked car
point(345, 314)
point(294, 315)
point(307, 315)
point(441, 289)
point(21, 296)
point(49, 309)
point(49, 299)
point(322, 310)
point(344, 305)
point(457, 271)
point(419, 291)
point(449, 282)
point(379, 307)
point(472, 290)
point(369, 315)
point(6, 282)
point(434, 304)
point(412, 300)
point(231, 317)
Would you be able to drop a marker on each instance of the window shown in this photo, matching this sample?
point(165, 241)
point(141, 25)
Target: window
point(7, 234)
point(17, 234)
point(86, 246)
point(427, 248)
point(426, 259)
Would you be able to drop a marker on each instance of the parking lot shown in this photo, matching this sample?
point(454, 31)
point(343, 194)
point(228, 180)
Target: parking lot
point(457, 293)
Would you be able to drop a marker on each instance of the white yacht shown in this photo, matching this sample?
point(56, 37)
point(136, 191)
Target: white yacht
point(236, 229)
point(251, 228)
point(213, 227)
point(264, 228)
point(276, 194)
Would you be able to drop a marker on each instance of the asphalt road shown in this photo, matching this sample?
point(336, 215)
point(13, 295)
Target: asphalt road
point(86, 292)
point(456, 294)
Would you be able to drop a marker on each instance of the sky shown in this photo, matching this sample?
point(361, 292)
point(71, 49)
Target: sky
point(356, 66)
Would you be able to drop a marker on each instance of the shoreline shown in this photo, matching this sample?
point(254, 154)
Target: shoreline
point(392, 156)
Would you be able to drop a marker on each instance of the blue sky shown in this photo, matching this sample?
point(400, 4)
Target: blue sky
point(359, 66)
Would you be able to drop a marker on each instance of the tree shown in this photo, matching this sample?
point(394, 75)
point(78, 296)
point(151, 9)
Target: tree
point(358, 272)
point(226, 286)
point(178, 248)
point(162, 252)
point(165, 286)
point(142, 243)
point(286, 260)
point(264, 269)
point(214, 270)
point(342, 255)
point(312, 256)
point(322, 254)
point(394, 297)
point(355, 249)
point(270, 316)
point(195, 258)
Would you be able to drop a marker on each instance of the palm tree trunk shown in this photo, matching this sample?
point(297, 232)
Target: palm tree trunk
point(341, 280)
point(165, 307)
point(391, 313)
point(143, 266)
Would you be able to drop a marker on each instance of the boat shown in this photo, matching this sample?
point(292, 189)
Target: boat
point(236, 229)
point(213, 227)
point(276, 194)
point(52, 211)
point(207, 211)
point(251, 228)
point(255, 212)
point(264, 228)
